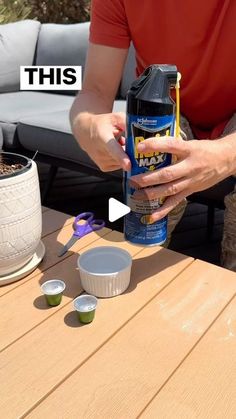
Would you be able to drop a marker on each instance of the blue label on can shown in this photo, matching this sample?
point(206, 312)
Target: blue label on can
point(139, 227)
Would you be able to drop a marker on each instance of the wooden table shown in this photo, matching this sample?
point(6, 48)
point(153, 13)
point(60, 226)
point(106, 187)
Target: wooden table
point(164, 349)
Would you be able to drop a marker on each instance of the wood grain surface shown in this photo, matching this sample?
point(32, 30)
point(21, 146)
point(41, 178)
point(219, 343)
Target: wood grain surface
point(135, 364)
point(163, 349)
point(205, 384)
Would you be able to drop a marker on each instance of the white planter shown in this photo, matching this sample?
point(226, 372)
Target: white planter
point(20, 219)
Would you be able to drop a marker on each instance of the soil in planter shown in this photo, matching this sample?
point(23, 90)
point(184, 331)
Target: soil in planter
point(7, 169)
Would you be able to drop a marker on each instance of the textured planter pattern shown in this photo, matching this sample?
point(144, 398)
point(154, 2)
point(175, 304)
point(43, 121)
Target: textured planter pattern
point(20, 219)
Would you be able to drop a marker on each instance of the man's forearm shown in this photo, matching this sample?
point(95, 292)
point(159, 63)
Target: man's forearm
point(86, 104)
point(95, 128)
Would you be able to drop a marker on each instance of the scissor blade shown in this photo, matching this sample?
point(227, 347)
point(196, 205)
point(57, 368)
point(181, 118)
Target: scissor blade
point(68, 245)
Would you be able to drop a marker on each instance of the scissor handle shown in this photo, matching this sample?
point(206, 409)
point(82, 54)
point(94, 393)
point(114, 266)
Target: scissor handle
point(86, 216)
point(89, 225)
point(81, 230)
point(97, 224)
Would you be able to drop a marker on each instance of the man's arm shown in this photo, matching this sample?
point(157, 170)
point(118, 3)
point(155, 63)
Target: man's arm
point(93, 124)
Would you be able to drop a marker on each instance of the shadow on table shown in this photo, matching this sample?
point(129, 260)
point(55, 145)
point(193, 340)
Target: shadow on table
point(41, 304)
point(145, 267)
point(71, 320)
point(142, 268)
point(112, 237)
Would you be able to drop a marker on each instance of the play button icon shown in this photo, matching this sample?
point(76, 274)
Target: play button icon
point(117, 210)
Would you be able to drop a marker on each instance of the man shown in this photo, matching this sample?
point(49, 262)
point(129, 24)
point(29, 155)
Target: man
point(198, 37)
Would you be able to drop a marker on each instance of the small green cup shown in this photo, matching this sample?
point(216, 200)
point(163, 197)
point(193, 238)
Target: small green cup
point(85, 306)
point(53, 291)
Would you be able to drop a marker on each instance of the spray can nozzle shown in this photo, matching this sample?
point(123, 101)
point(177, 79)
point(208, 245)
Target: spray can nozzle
point(178, 79)
point(155, 83)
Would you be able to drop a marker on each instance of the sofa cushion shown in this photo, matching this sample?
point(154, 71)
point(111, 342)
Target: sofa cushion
point(50, 134)
point(14, 106)
point(119, 106)
point(18, 105)
point(63, 45)
point(17, 47)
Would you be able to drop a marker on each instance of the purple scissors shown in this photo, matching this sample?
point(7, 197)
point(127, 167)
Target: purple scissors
point(82, 229)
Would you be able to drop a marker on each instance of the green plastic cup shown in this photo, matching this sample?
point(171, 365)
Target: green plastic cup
point(53, 291)
point(85, 306)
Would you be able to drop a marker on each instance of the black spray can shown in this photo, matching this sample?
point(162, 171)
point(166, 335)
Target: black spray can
point(150, 113)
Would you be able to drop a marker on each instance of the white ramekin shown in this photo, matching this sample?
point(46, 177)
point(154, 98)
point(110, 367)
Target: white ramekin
point(105, 271)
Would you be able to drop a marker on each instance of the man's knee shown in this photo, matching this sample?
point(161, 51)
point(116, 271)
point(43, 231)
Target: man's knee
point(185, 129)
point(175, 216)
point(230, 128)
point(228, 255)
point(230, 203)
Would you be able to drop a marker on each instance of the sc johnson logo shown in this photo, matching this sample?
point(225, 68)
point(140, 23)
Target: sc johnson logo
point(50, 78)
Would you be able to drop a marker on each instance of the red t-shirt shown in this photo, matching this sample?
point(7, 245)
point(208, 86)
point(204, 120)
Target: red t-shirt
point(197, 36)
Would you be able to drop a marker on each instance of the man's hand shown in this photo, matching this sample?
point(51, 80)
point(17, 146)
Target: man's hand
point(200, 165)
point(100, 136)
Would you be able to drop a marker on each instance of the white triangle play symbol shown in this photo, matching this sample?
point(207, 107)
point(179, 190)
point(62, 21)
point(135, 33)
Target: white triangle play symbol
point(117, 210)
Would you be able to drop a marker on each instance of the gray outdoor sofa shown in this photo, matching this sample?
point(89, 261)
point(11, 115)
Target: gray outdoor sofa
point(33, 121)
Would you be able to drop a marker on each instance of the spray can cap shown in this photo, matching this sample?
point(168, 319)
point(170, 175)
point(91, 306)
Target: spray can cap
point(150, 93)
point(155, 83)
